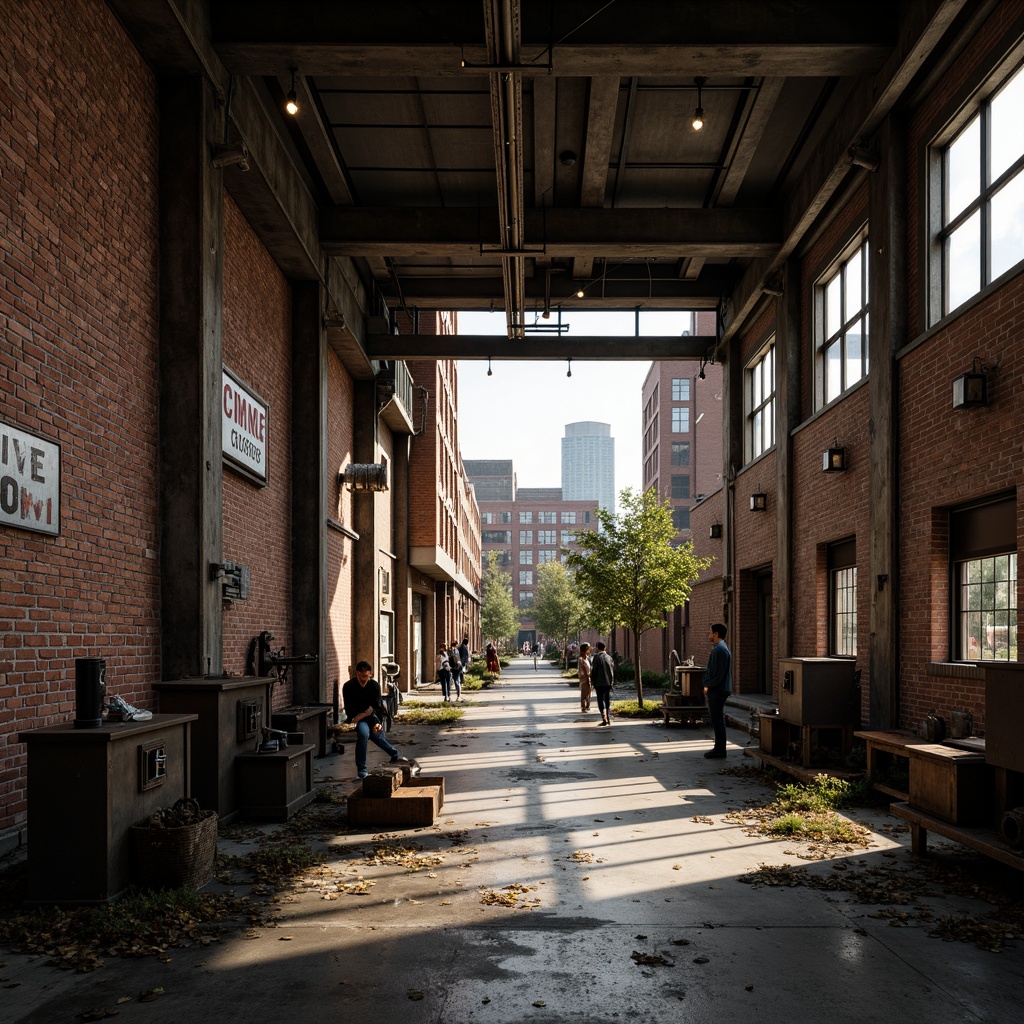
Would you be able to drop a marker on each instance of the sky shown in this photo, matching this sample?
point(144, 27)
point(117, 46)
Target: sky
point(520, 412)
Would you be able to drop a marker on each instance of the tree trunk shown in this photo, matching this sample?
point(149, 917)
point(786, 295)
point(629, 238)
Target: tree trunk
point(639, 675)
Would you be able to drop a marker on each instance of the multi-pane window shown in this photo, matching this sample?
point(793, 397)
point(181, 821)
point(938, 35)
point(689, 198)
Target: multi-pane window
point(525, 598)
point(681, 419)
point(504, 517)
point(547, 555)
point(760, 400)
point(680, 453)
point(988, 608)
point(526, 577)
point(547, 517)
point(680, 486)
point(525, 517)
point(981, 231)
point(496, 536)
point(526, 557)
point(569, 517)
point(547, 536)
point(586, 517)
point(487, 518)
point(844, 616)
point(526, 536)
point(504, 558)
point(843, 325)
point(680, 389)
point(567, 536)
point(681, 518)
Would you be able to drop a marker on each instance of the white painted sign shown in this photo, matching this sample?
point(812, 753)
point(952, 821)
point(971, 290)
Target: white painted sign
point(29, 481)
point(246, 426)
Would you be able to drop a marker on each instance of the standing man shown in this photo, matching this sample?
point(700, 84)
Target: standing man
point(718, 686)
point(363, 709)
point(602, 675)
point(583, 671)
point(464, 655)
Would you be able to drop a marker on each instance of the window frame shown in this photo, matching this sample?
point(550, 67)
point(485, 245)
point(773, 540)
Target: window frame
point(680, 419)
point(680, 389)
point(750, 411)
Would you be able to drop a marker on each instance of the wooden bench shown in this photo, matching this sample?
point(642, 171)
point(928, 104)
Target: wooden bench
point(883, 747)
point(954, 785)
point(804, 775)
point(985, 841)
point(776, 735)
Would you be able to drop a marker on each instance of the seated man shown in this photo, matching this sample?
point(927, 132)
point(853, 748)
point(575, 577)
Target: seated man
point(363, 708)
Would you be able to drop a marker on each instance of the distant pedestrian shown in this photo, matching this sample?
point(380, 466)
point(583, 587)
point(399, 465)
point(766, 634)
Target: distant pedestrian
point(583, 671)
point(455, 661)
point(493, 664)
point(444, 671)
point(718, 686)
point(464, 654)
point(602, 676)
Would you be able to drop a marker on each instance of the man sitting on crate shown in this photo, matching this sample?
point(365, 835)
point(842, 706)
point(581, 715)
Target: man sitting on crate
point(364, 709)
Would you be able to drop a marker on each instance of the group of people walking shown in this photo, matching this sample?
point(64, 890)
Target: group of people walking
point(452, 662)
point(597, 676)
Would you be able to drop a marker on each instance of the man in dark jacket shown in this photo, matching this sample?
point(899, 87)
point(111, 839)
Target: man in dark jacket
point(363, 709)
point(602, 676)
point(718, 686)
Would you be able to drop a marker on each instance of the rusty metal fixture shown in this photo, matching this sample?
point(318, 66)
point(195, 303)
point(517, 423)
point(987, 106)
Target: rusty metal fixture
point(1011, 826)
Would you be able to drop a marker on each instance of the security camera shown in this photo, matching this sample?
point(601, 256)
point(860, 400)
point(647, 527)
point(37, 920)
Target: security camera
point(231, 155)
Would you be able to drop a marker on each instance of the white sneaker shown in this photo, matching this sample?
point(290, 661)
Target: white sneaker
point(128, 712)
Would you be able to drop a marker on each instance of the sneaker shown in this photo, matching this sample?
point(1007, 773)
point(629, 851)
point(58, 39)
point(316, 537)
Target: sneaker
point(362, 774)
point(128, 713)
point(398, 759)
point(714, 753)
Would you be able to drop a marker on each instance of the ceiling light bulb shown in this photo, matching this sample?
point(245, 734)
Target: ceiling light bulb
point(698, 119)
point(579, 294)
point(292, 106)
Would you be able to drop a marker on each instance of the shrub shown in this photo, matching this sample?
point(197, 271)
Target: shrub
point(625, 672)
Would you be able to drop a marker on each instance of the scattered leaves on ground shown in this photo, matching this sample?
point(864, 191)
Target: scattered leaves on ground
point(510, 896)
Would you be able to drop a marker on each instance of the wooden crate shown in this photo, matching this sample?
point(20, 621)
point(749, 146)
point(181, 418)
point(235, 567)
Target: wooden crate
point(886, 750)
point(409, 805)
point(953, 785)
point(277, 784)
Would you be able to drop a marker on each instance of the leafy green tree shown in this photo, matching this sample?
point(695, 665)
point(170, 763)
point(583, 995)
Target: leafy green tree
point(628, 572)
point(559, 610)
point(499, 617)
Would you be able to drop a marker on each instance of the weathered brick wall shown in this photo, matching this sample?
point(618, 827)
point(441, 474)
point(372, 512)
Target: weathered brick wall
point(257, 346)
point(78, 363)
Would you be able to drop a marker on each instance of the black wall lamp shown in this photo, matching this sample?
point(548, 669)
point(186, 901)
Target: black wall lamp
point(716, 531)
point(833, 460)
point(971, 389)
point(759, 502)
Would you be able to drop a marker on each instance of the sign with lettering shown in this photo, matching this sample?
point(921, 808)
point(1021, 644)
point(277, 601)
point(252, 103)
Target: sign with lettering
point(246, 425)
point(29, 481)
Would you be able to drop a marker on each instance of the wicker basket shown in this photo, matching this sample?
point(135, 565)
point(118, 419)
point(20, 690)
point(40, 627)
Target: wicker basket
point(168, 858)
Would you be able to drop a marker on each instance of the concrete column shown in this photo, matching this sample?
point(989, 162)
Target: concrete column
point(309, 490)
point(887, 298)
point(191, 298)
point(364, 596)
point(400, 575)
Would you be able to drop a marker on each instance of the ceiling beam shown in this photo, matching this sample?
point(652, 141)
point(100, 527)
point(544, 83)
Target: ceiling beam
point(409, 231)
point(533, 346)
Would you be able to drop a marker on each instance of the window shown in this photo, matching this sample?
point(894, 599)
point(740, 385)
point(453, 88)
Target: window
point(681, 419)
point(525, 517)
point(505, 517)
point(496, 536)
point(547, 536)
point(842, 325)
point(680, 389)
point(567, 536)
point(760, 401)
point(526, 536)
point(569, 517)
point(842, 570)
point(983, 539)
point(526, 557)
point(504, 558)
point(487, 518)
point(547, 555)
point(681, 518)
point(525, 598)
point(526, 577)
point(980, 232)
point(680, 453)
point(548, 518)
point(680, 486)
point(586, 517)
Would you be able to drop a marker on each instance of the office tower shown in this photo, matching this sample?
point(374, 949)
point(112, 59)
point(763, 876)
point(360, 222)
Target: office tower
point(588, 463)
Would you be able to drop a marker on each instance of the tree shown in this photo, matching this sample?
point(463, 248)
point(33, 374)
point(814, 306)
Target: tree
point(628, 572)
point(559, 610)
point(499, 617)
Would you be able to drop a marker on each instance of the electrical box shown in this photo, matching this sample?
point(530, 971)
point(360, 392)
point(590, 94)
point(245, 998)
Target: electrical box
point(818, 691)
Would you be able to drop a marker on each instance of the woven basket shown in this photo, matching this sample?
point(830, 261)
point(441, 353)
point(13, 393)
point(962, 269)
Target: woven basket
point(168, 858)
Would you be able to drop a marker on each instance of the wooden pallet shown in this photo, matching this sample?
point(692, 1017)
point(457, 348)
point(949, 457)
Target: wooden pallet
point(985, 841)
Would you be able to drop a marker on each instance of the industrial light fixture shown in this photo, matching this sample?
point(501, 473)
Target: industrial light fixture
point(698, 114)
point(292, 99)
point(833, 460)
point(569, 371)
point(567, 158)
point(546, 315)
point(759, 502)
point(971, 389)
point(490, 372)
point(580, 293)
point(716, 531)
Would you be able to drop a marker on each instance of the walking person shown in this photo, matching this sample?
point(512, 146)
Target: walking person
point(364, 709)
point(464, 657)
point(456, 666)
point(583, 671)
point(602, 676)
point(493, 664)
point(444, 671)
point(718, 686)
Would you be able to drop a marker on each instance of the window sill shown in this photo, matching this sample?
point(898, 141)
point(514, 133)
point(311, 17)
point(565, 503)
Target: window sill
point(956, 669)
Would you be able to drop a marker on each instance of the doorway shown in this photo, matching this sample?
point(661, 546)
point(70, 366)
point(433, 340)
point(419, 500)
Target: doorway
point(764, 656)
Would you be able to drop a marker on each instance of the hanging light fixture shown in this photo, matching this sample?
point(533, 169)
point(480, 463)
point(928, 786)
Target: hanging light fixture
point(490, 372)
point(759, 502)
point(569, 371)
point(292, 99)
point(833, 460)
point(971, 389)
point(698, 114)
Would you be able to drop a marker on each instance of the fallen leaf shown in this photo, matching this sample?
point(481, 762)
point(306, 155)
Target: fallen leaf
point(539, 1002)
point(414, 993)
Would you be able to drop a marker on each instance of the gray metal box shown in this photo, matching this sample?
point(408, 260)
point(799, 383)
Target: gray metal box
point(818, 691)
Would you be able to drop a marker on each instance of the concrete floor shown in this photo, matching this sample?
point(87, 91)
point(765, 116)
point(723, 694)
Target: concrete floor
point(531, 782)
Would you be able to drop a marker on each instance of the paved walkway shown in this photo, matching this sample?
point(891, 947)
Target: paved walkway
point(618, 839)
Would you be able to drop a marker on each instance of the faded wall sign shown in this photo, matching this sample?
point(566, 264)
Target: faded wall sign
point(29, 481)
point(246, 427)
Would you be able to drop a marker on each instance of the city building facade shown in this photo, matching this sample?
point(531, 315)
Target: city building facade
point(588, 463)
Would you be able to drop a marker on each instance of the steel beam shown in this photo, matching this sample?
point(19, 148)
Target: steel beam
point(547, 346)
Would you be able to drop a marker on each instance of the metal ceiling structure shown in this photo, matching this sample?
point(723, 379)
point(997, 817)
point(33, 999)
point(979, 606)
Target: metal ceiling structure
point(538, 155)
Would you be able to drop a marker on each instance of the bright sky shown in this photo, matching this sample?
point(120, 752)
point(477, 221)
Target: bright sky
point(520, 412)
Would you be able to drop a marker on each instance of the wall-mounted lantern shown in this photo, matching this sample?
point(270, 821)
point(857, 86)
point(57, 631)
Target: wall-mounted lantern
point(971, 389)
point(759, 502)
point(716, 531)
point(833, 460)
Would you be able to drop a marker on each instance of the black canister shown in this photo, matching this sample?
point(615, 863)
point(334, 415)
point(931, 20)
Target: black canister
point(90, 683)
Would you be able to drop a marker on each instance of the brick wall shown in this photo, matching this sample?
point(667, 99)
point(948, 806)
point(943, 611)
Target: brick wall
point(78, 363)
